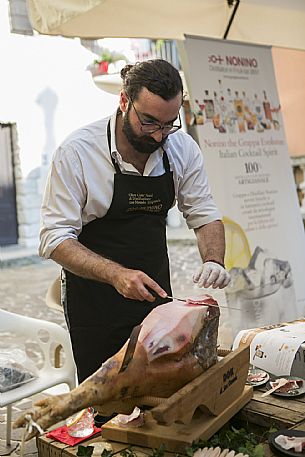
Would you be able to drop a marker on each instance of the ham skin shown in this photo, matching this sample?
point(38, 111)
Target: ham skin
point(177, 342)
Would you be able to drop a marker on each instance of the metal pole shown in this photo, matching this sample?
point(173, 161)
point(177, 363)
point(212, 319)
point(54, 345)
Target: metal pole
point(8, 425)
point(236, 5)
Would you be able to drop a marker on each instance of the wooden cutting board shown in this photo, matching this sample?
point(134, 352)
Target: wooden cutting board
point(220, 393)
point(175, 437)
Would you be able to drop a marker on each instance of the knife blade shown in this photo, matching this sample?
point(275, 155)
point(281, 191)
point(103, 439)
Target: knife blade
point(131, 346)
point(214, 306)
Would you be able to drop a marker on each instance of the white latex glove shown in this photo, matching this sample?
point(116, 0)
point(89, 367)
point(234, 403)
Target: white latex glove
point(212, 274)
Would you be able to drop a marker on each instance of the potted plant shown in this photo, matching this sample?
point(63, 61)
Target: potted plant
point(107, 57)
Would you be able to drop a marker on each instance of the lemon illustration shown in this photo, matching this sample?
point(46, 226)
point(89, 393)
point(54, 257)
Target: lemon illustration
point(238, 252)
point(76, 418)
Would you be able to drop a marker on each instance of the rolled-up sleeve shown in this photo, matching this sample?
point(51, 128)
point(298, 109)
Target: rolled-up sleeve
point(194, 197)
point(64, 198)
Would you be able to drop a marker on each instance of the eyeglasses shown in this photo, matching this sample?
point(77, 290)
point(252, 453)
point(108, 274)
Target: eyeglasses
point(152, 127)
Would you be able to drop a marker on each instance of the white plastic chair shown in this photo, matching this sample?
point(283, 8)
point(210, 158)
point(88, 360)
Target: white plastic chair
point(46, 335)
point(53, 295)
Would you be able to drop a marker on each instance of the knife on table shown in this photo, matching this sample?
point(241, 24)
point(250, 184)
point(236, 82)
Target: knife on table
point(131, 346)
point(214, 306)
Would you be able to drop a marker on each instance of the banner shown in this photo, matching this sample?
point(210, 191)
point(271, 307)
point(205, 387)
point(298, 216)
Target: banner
point(241, 133)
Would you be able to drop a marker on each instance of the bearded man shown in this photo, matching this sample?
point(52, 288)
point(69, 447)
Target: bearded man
point(104, 212)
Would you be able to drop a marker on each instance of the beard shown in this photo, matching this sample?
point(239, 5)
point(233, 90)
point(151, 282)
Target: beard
point(144, 144)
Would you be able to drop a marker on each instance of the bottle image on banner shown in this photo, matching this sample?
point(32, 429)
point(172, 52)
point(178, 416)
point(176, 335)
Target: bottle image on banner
point(223, 115)
point(267, 110)
point(221, 94)
point(222, 108)
point(198, 113)
point(239, 109)
point(258, 110)
point(231, 119)
point(248, 111)
point(276, 117)
point(209, 107)
point(217, 113)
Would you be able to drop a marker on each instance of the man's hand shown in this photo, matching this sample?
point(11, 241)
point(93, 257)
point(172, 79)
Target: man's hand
point(212, 274)
point(81, 261)
point(135, 284)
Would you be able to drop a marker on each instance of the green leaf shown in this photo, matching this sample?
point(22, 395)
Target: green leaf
point(258, 451)
point(129, 452)
point(85, 451)
point(189, 452)
point(106, 453)
point(229, 437)
point(159, 452)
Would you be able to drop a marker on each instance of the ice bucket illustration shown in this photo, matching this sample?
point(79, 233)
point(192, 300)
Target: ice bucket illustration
point(263, 291)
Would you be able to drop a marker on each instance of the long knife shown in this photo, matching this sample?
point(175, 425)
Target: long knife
point(214, 306)
point(131, 346)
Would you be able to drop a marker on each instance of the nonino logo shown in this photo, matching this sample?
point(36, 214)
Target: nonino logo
point(236, 61)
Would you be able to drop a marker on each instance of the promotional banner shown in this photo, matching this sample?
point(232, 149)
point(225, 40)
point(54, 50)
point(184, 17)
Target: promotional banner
point(241, 133)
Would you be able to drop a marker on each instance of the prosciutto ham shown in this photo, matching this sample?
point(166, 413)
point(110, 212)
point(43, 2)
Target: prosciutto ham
point(177, 342)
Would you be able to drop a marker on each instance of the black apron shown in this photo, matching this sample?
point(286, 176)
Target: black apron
point(132, 233)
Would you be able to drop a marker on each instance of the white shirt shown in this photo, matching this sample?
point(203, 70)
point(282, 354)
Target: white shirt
point(79, 187)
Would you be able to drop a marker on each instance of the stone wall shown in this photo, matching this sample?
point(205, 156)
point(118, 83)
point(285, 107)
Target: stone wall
point(28, 198)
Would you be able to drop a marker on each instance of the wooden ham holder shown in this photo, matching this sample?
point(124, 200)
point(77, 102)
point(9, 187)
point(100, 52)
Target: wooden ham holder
point(197, 410)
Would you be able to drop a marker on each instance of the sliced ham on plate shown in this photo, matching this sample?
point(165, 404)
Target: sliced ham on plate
point(291, 442)
point(257, 377)
point(289, 385)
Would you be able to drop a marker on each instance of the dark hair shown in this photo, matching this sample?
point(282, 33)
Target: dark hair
point(158, 76)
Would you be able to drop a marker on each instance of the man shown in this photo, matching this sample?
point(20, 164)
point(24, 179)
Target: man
point(104, 213)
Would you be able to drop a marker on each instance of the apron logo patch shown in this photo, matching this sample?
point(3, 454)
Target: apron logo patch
point(143, 202)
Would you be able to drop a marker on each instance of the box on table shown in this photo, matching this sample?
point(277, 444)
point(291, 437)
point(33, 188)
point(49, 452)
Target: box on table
point(48, 447)
point(298, 366)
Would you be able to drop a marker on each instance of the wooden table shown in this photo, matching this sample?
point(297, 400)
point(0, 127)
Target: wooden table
point(281, 412)
point(49, 448)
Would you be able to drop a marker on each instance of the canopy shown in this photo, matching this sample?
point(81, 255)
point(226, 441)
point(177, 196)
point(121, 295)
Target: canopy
point(271, 22)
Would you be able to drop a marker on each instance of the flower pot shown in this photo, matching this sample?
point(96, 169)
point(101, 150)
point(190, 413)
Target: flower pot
point(103, 67)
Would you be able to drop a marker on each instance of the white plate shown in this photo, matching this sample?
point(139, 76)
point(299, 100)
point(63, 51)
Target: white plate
point(257, 371)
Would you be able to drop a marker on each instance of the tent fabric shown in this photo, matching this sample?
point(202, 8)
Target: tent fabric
point(271, 22)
